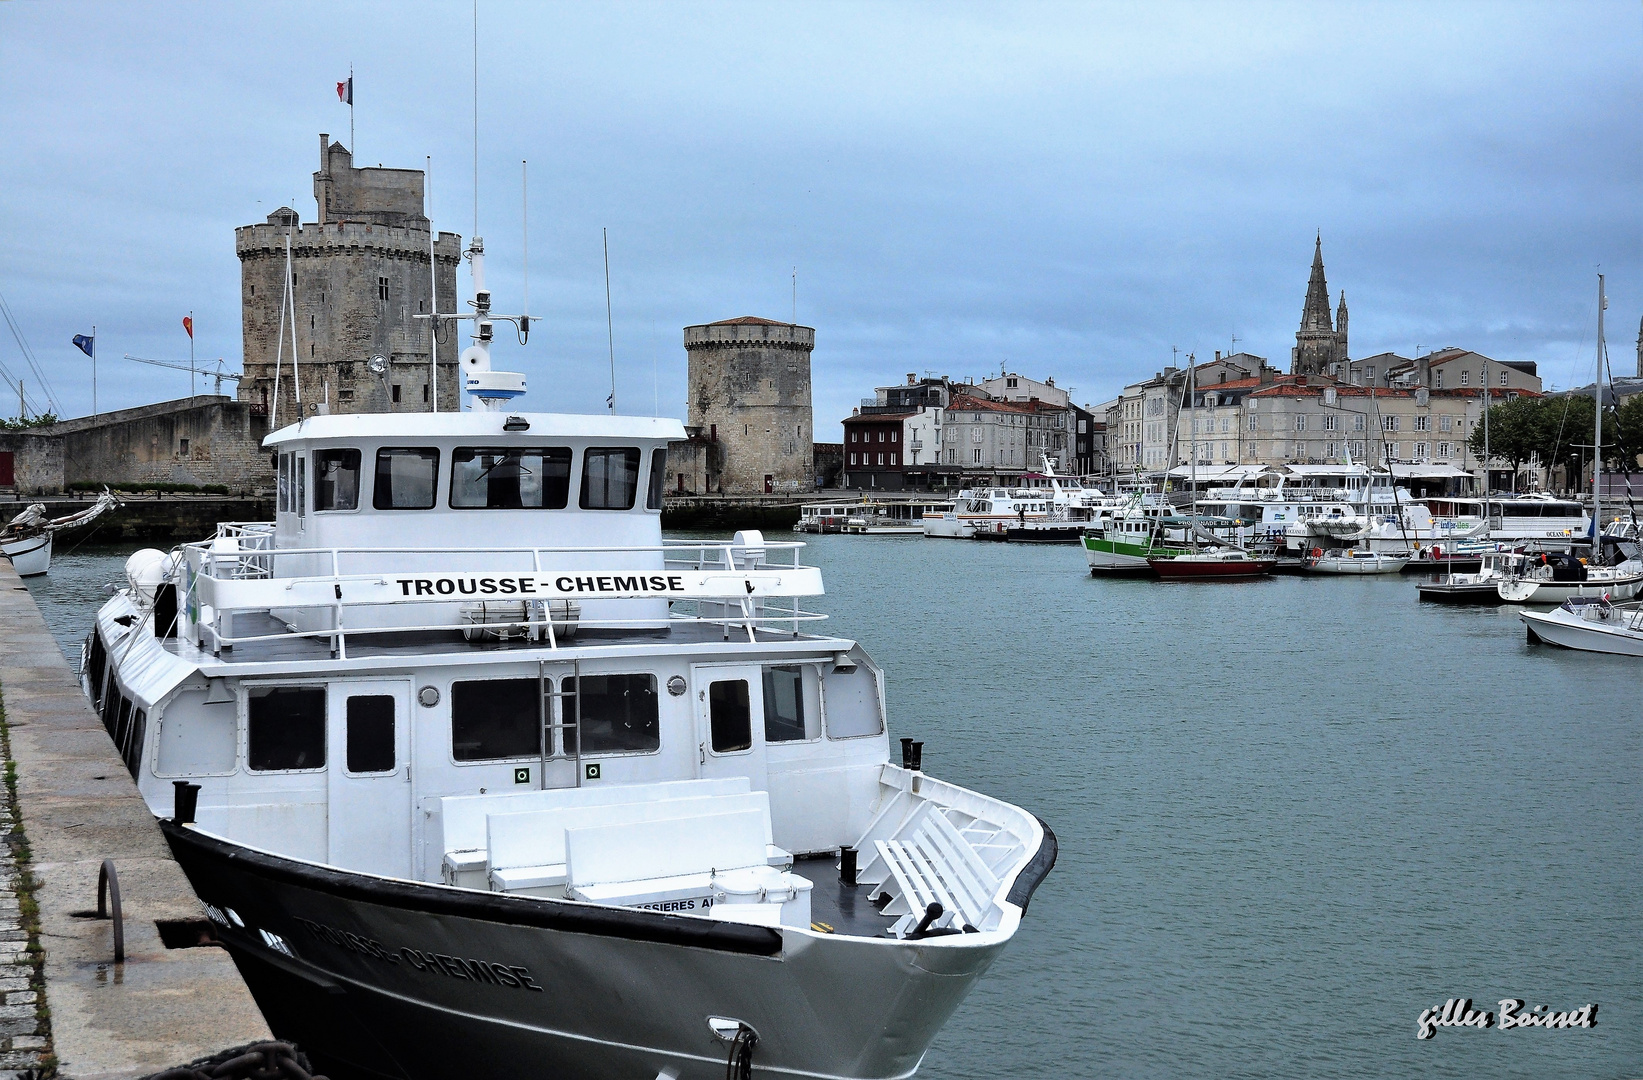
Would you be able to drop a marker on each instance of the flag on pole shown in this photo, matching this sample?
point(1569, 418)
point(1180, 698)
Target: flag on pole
point(83, 343)
point(188, 324)
point(345, 91)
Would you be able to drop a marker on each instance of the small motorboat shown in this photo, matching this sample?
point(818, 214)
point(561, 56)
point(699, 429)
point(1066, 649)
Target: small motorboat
point(1591, 624)
point(1478, 587)
point(1353, 561)
point(1212, 564)
point(1558, 577)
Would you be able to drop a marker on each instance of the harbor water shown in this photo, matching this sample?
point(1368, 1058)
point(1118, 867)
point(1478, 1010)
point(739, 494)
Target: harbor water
point(1293, 814)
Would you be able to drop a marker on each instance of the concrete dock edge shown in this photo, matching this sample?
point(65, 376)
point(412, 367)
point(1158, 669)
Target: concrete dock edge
point(78, 806)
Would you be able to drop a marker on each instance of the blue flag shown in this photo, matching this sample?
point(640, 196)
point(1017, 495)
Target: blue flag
point(84, 343)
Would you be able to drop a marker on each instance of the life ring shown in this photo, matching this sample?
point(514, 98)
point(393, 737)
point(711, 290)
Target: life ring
point(1317, 553)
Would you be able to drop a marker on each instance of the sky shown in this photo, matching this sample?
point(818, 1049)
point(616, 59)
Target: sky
point(1073, 191)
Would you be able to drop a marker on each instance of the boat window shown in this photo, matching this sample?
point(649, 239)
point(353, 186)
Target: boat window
point(784, 713)
point(284, 484)
point(405, 479)
point(336, 480)
point(851, 702)
point(495, 718)
point(371, 733)
point(111, 702)
point(510, 478)
point(619, 714)
point(196, 737)
point(658, 477)
point(299, 462)
point(610, 478)
point(286, 728)
point(730, 717)
point(95, 660)
point(134, 741)
point(122, 723)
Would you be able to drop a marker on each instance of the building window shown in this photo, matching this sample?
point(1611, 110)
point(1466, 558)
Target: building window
point(1512, 396)
point(1332, 422)
point(1389, 423)
point(852, 457)
point(1446, 422)
point(1420, 451)
point(1357, 423)
point(892, 459)
point(182, 447)
point(394, 393)
point(1465, 378)
point(1438, 377)
point(978, 455)
point(310, 350)
point(1252, 424)
point(1300, 421)
point(881, 457)
point(1443, 449)
point(1503, 378)
point(424, 393)
point(382, 289)
point(310, 322)
point(1369, 374)
point(893, 436)
point(852, 436)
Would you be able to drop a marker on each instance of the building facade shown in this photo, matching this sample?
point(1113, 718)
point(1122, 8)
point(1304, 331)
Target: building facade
point(749, 382)
point(360, 276)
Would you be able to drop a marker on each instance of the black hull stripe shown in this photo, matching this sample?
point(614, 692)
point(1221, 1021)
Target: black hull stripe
point(192, 847)
point(1037, 869)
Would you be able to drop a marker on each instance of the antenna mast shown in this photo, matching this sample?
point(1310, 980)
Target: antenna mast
point(610, 326)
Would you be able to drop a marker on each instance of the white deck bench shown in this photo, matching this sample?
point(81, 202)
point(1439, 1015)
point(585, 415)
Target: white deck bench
point(929, 862)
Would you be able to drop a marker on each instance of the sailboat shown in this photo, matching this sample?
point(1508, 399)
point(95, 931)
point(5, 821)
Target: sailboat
point(1220, 561)
point(26, 539)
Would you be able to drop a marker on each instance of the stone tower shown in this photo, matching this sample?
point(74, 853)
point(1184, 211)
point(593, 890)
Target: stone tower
point(1318, 344)
point(749, 384)
point(361, 276)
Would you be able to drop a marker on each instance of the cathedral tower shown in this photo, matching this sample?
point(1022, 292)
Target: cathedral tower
point(1319, 344)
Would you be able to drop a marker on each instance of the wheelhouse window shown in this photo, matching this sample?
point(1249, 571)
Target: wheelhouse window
point(730, 717)
point(658, 478)
point(133, 750)
point(299, 462)
point(283, 484)
point(405, 478)
point(285, 728)
point(495, 719)
point(784, 713)
point(510, 477)
point(619, 714)
point(371, 733)
point(610, 478)
point(336, 480)
point(852, 698)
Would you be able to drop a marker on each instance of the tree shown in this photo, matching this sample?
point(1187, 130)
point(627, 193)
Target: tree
point(1514, 428)
point(1628, 432)
point(1564, 437)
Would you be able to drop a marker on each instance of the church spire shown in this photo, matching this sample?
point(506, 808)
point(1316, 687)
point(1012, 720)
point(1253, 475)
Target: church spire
point(1315, 315)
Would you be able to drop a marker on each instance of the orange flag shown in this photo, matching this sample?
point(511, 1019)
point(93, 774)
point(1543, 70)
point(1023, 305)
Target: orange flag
point(188, 324)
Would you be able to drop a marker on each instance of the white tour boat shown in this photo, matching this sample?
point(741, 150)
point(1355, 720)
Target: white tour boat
point(433, 852)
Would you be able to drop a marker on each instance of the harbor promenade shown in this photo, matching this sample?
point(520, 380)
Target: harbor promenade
point(65, 999)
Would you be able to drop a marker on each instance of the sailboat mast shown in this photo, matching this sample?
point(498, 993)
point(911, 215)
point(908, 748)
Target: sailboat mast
point(1597, 448)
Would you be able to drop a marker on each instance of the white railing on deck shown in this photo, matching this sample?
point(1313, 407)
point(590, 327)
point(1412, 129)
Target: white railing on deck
point(244, 552)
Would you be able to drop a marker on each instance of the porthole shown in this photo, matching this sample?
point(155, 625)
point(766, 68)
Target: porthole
point(428, 696)
point(676, 685)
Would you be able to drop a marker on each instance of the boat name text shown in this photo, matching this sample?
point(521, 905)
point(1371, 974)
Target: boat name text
point(452, 967)
point(541, 585)
point(1458, 1012)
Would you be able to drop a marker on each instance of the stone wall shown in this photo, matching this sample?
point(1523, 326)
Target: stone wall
point(750, 392)
point(36, 461)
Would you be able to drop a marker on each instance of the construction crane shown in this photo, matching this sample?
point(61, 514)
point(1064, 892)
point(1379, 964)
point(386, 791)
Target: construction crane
point(183, 365)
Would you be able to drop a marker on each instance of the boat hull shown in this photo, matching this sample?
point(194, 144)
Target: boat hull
point(1115, 557)
point(1195, 570)
point(376, 977)
point(1530, 591)
point(29, 556)
point(1379, 565)
point(1466, 593)
point(1557, 628)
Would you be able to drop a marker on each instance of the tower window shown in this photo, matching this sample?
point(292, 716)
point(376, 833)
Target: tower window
point(382, 289)
point(395, 393)
point(424, 393)
point(310, 322)
point(310, 349)
point(253, 290)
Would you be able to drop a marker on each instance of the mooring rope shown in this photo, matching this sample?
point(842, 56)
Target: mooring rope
point(254, 1061)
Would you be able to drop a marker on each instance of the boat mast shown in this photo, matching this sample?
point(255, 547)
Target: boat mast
point(1597, 448)
point(1486, 485)
point(1192, 416)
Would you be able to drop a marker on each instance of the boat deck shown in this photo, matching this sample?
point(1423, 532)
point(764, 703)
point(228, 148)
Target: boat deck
point(844, 909)
point(287, 647)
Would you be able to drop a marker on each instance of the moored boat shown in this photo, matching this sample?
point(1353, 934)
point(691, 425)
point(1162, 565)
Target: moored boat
point(590, 803)
point(1212, 565)
point(1336, 561)
point(1590, 624)
point(27, 539)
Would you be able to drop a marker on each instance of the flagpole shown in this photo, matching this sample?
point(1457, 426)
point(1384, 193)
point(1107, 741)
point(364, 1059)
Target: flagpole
point(94, 371)
point(191, 357)
point(351, 144)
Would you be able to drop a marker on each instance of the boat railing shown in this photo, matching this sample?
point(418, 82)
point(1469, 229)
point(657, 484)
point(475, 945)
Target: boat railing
point(505, 592)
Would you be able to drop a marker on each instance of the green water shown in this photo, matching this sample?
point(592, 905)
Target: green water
point(1292, 813)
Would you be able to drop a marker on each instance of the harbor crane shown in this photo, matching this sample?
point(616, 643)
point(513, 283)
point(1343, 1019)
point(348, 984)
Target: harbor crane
point(183, 365)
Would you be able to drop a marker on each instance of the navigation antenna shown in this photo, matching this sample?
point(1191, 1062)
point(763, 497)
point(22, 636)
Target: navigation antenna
point(610, 326)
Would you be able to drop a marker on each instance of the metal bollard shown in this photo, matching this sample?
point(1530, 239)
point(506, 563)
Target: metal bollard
point(918, 757)
point(185, 801)
point(907, 753)
point(109, 882)
point(847, 866)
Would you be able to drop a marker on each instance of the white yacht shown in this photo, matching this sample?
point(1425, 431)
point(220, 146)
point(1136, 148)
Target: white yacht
point(476, 775)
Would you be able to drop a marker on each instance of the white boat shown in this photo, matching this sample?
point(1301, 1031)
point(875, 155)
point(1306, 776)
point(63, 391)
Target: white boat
point(1591, 624)
point(582, 803)
point(1470, 587)
point(892, 517)
point(1559, 577)
point(1062, 505)
point(828, 517)
point(1336, 561)
point(26, 539)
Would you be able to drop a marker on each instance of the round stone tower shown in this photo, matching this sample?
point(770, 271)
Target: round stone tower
point(750, 394)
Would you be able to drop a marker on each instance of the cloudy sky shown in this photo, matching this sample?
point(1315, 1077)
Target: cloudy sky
point(1059, 190)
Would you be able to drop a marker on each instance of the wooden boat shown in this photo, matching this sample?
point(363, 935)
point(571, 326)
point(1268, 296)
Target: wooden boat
point(1212, 565)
